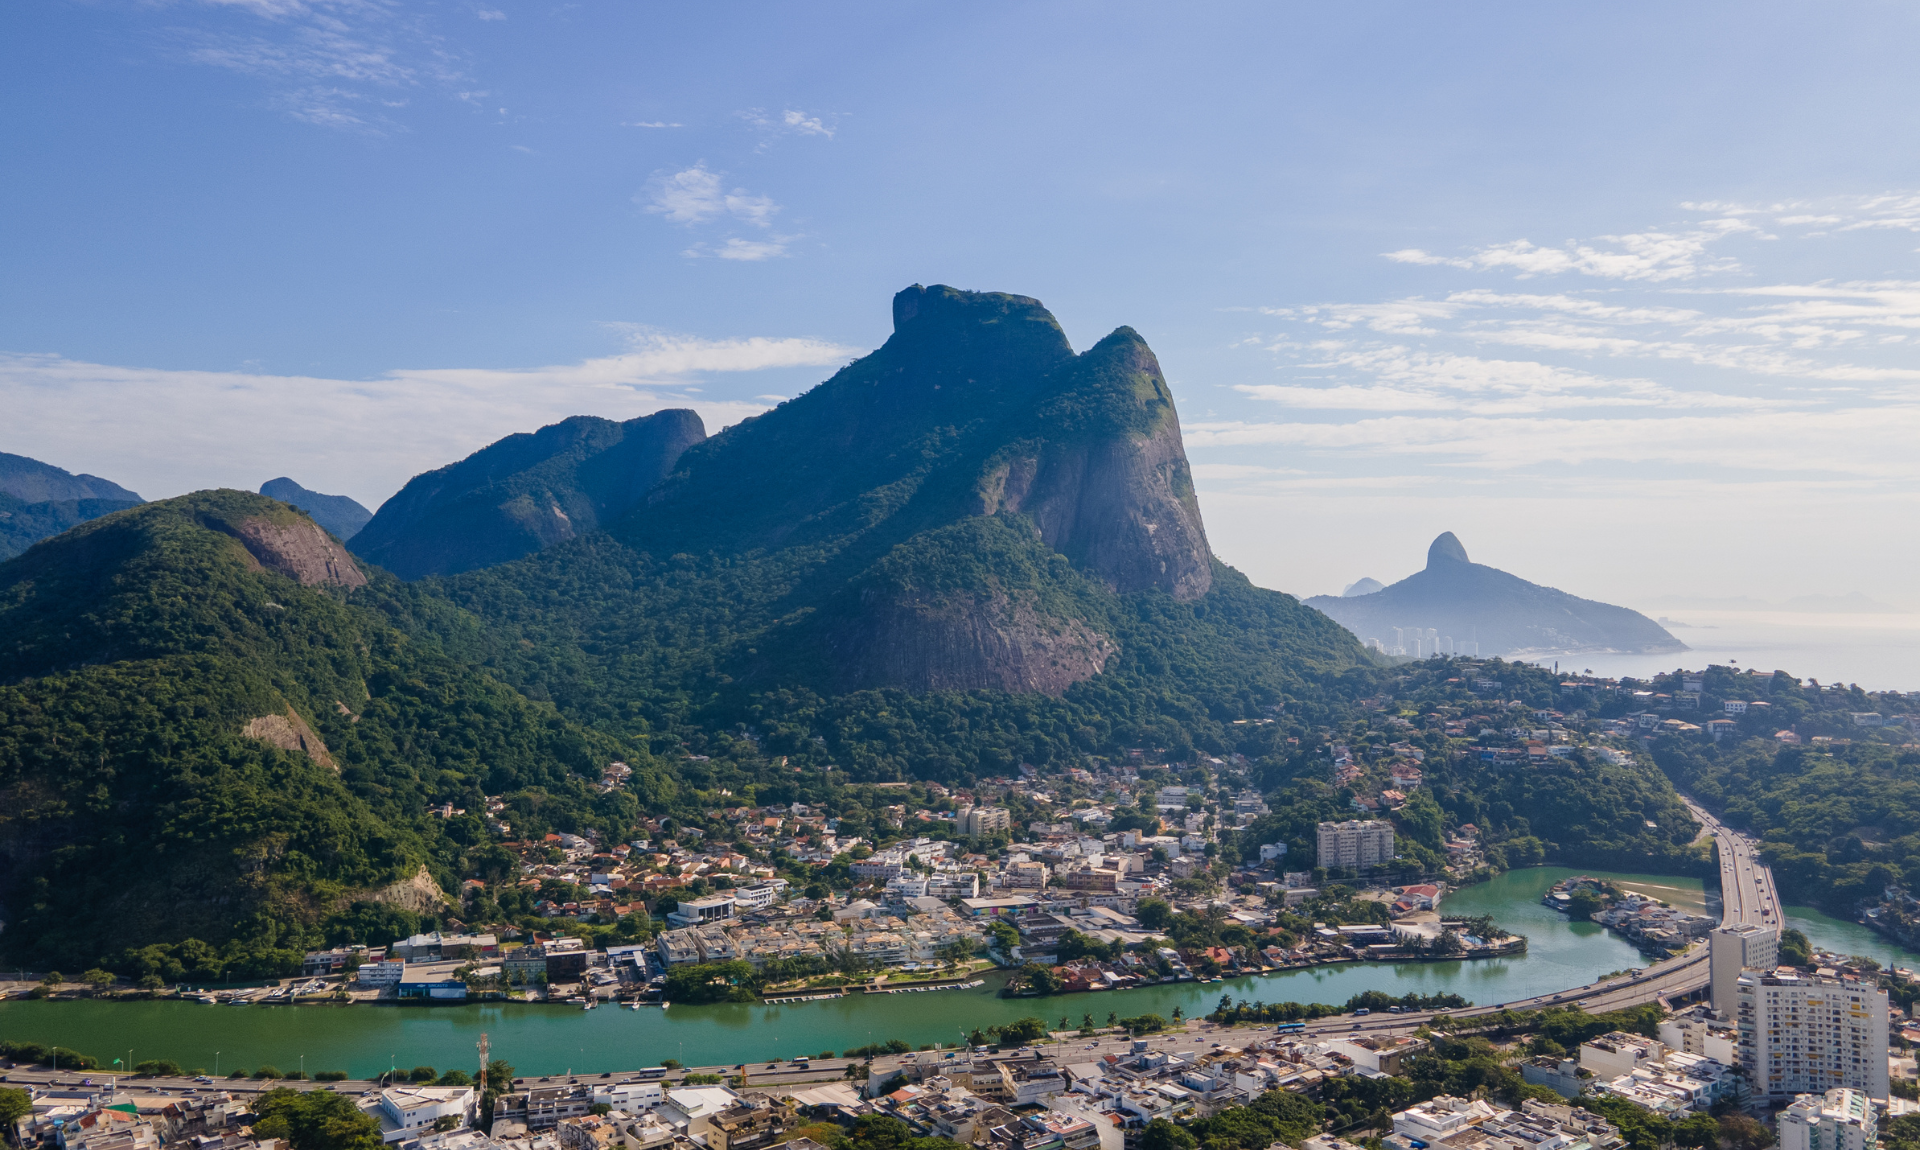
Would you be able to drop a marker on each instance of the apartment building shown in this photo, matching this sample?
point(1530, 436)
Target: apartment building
point(976, 821)
point(1837, 1120)
point(1811, 1033)
point(1735, 948)
point(1355, 843)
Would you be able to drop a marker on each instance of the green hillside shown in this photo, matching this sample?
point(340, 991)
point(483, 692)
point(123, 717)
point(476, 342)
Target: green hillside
point(134, 810)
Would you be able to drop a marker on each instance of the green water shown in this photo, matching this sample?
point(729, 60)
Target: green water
point(1845, 937)
point(364, 1040)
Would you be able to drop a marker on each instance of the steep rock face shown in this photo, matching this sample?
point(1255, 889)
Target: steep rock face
point(417, 893)
point(299, 550)
point(963, 642)
point(290, 732)
point(1116, 494)
point(337, 513)
point(1501, 613)
point(32, 481)
point(525, 493)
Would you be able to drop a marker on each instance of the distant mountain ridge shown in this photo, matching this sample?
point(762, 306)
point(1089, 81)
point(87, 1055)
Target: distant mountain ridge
point(337, 513)
point(32, 481)
point(39, 500)
point(525, 492)
point(1498, 613)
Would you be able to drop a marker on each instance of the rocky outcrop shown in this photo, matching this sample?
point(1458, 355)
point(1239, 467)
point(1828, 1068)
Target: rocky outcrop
point(962, 642)
point(337, 513)
point(290, 732)
point(1476, 609)
point(1115, 495)
point(298, 549)
point(417, 893)
point(525, 493)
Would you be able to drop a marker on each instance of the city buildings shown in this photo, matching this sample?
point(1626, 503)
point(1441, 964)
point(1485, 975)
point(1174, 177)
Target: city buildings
point(1840, 1119)
point(1356, 843)
point(1810, 1033)
point(1736, 948)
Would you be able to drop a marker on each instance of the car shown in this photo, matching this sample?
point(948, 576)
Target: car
point(1359, 1026)
point(204, 1079)
point(1393, 1010)
point(773, 1066)
point(1362, 1011)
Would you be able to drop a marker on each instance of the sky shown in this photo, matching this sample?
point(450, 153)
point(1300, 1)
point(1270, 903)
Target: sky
point(1626, 296)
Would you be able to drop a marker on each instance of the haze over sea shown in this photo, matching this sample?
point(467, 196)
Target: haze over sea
point(1880, 652)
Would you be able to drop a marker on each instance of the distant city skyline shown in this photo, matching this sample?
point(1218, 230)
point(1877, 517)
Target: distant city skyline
point(1627, 298)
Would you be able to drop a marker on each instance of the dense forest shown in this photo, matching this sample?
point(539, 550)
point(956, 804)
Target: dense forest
point(1837, 809)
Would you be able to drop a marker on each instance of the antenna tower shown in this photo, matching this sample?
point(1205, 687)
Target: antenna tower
point(482, 1044)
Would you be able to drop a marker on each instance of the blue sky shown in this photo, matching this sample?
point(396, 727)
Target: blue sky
point(1625, 296)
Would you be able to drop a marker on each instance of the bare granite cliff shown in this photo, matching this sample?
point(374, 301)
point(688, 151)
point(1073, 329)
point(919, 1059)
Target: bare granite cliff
point(966, 641)
point(1115, 496)
point(298, 549)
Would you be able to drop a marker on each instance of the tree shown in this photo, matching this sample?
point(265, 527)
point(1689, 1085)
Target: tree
point(1164, 1135)
point(14, 1105)
point(1698, 1130)
point(151, 982)
point(1153, 913)
point(97, 980)
point(1743, 1132)
point(315, 1120)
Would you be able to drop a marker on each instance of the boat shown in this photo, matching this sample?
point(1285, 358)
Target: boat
point(588, 1005)
point(576, 1000)
point(634, 1005)
point(664, 1005)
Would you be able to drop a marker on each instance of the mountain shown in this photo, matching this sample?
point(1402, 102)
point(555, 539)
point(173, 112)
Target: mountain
point(38, 500)
point(524, 493)
point(337, 513)
point(32, 481)
point(1361, 587)
point(215, 752)
point(1467, 602)
point(972, 519)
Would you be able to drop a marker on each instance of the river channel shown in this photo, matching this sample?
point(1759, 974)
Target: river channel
point(364, 1040)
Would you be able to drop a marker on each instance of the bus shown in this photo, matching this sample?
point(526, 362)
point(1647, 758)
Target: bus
point(1291, 1028)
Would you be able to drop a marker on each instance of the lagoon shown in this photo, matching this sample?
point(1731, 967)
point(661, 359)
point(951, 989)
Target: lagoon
point(540, 1040)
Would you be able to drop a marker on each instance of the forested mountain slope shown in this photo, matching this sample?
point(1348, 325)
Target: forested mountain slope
point(205, 744)
point(968, 517)
point(525, 492)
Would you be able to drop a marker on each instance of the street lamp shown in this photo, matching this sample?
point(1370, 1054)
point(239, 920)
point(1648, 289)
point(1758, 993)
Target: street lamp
point(216, 1064)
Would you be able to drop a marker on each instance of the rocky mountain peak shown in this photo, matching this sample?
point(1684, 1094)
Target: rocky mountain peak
point(1447, 549)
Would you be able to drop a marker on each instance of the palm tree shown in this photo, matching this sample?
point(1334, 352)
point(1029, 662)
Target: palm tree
point(1178, 1014)
point(1113, 1018)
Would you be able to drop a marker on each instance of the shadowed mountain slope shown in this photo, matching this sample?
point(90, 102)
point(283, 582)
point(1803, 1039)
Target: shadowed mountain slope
point(1468, 601)
point(525, 492)
point(39, 500)
point(190, 686)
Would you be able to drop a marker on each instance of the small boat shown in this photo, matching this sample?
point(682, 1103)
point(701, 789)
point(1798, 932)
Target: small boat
point(634, 1005)
point(588, 1005)
point(664, 1005)
point(576, 1000)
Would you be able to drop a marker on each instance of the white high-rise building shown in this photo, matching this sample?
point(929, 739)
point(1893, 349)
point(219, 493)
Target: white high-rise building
point(1732, 949)
point(1811, 1033)
point(1838, 1120)
point(1357, 843)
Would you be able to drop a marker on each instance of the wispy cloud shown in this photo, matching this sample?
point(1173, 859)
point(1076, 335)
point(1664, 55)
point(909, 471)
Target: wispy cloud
point(792, 122)
point(344, 64)
point(651, 124)
point(697, 194)
point(163, 432)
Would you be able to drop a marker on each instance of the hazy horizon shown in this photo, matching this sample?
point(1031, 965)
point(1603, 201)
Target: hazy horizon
point(1627, 299)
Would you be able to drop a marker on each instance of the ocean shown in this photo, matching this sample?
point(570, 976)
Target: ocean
point(1878, 652)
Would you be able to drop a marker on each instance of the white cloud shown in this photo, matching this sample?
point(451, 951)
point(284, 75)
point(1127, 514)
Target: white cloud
point(738, 249)
point(1650, 256)
point(790, 122)
point(331, 63)
point(696, 195)
point(491, 14)
point(1866, 441)
point(651, 124)
point(164, 432)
